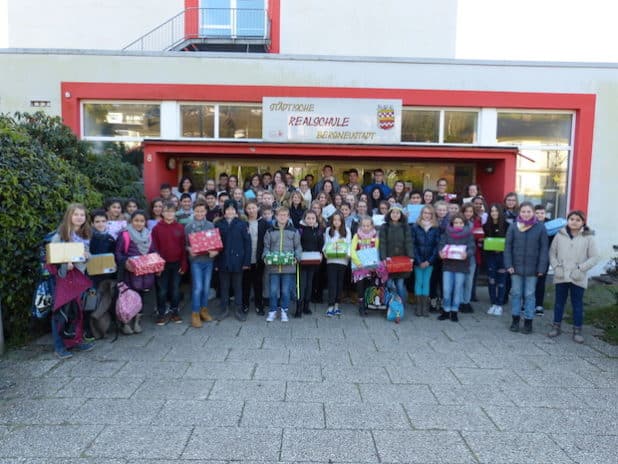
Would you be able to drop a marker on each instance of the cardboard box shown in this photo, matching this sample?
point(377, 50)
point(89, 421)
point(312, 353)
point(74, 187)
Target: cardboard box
point(101, 264)
point(66, 252)
point(458, 252)
point(206, 240)
point(310, 258)
point(151, 263)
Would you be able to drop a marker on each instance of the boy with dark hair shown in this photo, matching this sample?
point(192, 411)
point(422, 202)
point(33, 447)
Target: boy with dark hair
point(165, 191)
point(213, 211)
point(168, 239)
point(184, 214)
point(539, 290)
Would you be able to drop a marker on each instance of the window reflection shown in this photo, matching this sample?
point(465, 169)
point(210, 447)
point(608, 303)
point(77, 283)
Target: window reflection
point(133, 120)
point(420, 126)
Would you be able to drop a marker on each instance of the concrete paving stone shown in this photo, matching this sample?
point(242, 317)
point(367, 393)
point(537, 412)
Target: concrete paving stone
point(147, 353)
point(501, 359)
point(380, 358)
point(583, 449)
point(603, 364)
point(224, 370)
point(138, 441)
point(308, 372)
point(468, 346)
point(33, 368)
point(515, 448)
point(39, 411)
point(201, 354)
point(283, 414)
point(11, 461)
point(93, 387)
point(451, 417)
point(473, 395)
point(234, 444)
point(153, 369)
point(320, 357)
point(570, 364)
point(599, 398)
point(342, 344)
point(322, 392)
point(396, 393)
point(422, 447)
point(221, 329)
point(276, 343)
point(73, 461)
point(543, 378)
point(261, 356)
point(124, 341)
point(605, 379)
point(116, 411)
point(564, 347)
point(199, 412)
point(79, 367)
point(32, 387)
point(356, 374)
point(262, 329)
point(601, 346)
point(427, 376)
point(328, 446)
point(181, 461)
point(529, 419)
point(225, 343)
point(174, 389)
point(495, 377)
point(323, 333)
point(273, 390)
point(21, 442)
point(447, 359)
point(192, 339)
point(549, 397)
point(365, 416)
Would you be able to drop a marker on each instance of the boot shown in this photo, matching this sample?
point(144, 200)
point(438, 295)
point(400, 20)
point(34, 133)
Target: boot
point(299, 310)
point(137, 328)
point(555, 330)
point(577, 335)
point(362, 311)
point(515, 324)
point(205, 315)
point(527, 326)
point(444, 315)
point(425, 306)
point(418, 307)
point(126, 329)
point(454, 316)
point(196, 320)
point(306, 309)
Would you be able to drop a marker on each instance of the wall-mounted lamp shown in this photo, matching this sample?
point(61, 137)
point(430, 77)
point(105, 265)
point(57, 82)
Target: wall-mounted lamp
point(489, 169)
point(171, 164)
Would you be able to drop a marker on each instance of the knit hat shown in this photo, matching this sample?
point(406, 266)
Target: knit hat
point(397, 206)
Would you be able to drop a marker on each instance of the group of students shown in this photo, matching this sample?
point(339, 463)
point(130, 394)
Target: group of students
point(269, 214)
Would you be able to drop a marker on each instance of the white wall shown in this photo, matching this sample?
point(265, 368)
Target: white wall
point(85, 24)
point(4, 23)
point(412, 28)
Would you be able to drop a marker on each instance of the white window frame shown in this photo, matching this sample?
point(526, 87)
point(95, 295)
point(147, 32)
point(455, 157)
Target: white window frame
point(101, 138)
point(216, 120)
point(442, 111)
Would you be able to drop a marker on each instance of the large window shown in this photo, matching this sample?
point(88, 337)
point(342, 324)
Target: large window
point(428, 125)
point(233, 18)
point(197, 120)
point(221, 121)
point(544, 140)
point(121, 121)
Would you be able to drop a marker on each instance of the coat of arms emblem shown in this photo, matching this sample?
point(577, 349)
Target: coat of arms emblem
point(386, 117)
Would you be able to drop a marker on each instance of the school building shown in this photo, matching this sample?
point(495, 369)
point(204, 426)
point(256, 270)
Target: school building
point(258, 85)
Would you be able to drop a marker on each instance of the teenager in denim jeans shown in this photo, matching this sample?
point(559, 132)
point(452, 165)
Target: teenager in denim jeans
point(525, 258)
point(496, 227)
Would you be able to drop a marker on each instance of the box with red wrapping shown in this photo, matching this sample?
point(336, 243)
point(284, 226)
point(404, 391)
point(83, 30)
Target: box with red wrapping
point(398, 264)
point(205, 240)
point(455, 252)
point(151, 263)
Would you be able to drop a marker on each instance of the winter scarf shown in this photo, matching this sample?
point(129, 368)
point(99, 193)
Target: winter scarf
point(457, 233)
point(141, 239)
point(525, 225)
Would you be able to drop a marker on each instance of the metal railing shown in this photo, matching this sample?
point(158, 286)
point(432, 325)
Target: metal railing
point(211, 23)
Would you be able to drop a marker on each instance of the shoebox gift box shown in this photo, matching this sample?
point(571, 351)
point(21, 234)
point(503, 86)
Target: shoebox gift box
point(276, 258)
point(397, 264)
point(67, 252)
point(206, 240)
point(151, 263)
point(337, 250)
point(311, 257)
point(104, 263)
point(455, 252)
point(368, 257)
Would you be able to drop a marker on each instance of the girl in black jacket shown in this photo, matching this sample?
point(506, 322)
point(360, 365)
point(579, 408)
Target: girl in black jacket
point(311, 239)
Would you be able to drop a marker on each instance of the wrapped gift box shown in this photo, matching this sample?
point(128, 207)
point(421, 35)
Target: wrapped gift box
point(398, 264)
point(101, 264)
point(414, 211)
point(368, 257)
point(494, 244)
point(206, 240)
point(151, 263)
point(478, 233)
point(455, 251)
point(276, 258)
point(554, 226)
point(66, 252)
point(115, 227)
point(311, 257)
point(337, 250)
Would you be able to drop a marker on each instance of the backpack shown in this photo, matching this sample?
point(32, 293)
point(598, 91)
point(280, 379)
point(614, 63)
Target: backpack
point(128, 304)
point(394, 311)
point(101, 317)
point(43, 298)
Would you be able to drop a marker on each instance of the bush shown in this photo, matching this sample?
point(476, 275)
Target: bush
point(35, 188)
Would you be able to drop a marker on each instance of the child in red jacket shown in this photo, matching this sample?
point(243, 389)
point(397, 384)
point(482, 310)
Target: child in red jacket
point(168, 238)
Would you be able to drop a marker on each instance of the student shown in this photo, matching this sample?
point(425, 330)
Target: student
point(399, 193)
point(305, 191)
point(115, 219)
point(396, 240)
point(183, 215)
point(375, 197)
point(281, 238)
point(327, 175)
point(223, 181)
point(511, 208)
point(572, 254)
point(165, 192)
point(156, 208)
point(539, 290)
point(168, 238)
point(346, 211)
point(233, 259)
point(435, 284)
point(336, 267)
point(232, 183)
point(252, 277)
point(311, 239)
point(297, 209)
point(70, 283)
point(186, 186)
point(415, 198)
point(136, 240)
point(454, 270)
point(441, 193)
point(281, 195)
point(101, 242)
point(428, 197)
point(453, 208)
point(366, 237)
point(201, 267)
point(471, 223)
point(525, 258)
point(255, 184)
point(378, 182)
point(495, 227)
point(213, 212)
point(130, 206)
point(425, 239)
point(268, 199)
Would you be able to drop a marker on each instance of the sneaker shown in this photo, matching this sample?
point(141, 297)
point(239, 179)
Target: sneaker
point(260, 311)
point(539, 311)
point(330, 312)
point(240, 315)
point(63, 353)
point(338, 311)
point(175, 318)
point(161, 320)
point(88, 338)
point(245, 309)
point(272, 315)
point(444, 316)
point(491, 311)
point(83, 347)
point(284, 315)
point(454, 316)
point(498, 311)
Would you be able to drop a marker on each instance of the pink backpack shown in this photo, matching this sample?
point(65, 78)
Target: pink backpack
point(129, 303)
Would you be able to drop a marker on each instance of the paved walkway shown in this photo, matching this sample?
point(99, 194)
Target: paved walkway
point(315, 390)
